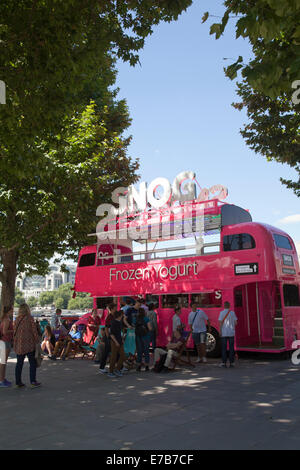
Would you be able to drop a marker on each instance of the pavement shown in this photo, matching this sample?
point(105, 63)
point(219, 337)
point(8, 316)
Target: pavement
point(253, 406)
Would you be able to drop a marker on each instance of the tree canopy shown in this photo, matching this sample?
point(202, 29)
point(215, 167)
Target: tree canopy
point(271, 77)
point(273, 129)
point(273, 29)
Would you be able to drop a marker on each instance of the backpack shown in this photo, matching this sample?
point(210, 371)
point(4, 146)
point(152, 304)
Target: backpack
point(140, 328)
point(158, 367)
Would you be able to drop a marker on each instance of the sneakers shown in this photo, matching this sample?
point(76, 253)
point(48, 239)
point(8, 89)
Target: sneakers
point(222, 364)
point(138, 369)
point(111, 374)
point(118, 373)
point(198, 360)
point(5, 384)
point(103, 371)
point(124, 369)
point(204, 359)
point(21, 385)
point(35, 384)
point(147, 369)
point(53, 358)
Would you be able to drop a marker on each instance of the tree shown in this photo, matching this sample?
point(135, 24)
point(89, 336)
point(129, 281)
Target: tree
point(32, 301)
point(46, 298)
point(19, 298)
point(272, 28)
point(59, 302)
point(63, 293)
point(273, 130)
point(81, 302)
point(62, 149)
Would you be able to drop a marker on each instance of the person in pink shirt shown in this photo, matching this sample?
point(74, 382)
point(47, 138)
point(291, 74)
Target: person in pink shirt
point(92, 327)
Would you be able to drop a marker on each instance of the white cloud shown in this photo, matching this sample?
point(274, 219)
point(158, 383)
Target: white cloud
point(290, 219)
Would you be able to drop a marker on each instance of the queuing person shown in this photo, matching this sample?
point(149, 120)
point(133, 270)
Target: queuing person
point(48, 343)
point(132, 313)
point(111, 308)
point(116, 344)
point(144, 306)
point(6, 339)
point(172, 349)
point(127, 306)
point(152, 315)
point(25, 341)
point(197, 320)
point(142, 338)
point(227, 323)
point(176, 320)
point(92, 326)
point(101, 344)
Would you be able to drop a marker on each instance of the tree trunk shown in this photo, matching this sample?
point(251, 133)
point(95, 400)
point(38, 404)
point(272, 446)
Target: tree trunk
point(8, 277)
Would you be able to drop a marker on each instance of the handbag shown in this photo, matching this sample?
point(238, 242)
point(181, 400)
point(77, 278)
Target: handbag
point(38, 355)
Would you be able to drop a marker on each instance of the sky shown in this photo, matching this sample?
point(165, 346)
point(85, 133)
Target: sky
point(179, 100)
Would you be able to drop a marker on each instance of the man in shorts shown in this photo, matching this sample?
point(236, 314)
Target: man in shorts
point(199, 323)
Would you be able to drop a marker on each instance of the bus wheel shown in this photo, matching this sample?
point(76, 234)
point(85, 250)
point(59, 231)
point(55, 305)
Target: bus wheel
point(213, 344)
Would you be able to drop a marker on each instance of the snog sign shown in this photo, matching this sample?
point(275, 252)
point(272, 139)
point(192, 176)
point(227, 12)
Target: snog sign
point(160, 207)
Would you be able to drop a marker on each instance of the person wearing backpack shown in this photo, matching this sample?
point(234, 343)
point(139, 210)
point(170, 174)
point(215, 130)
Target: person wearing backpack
point(227, 322)
point(142, 338)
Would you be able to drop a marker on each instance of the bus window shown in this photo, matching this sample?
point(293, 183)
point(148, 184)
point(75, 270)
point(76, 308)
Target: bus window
point(287, 260)
point(291, 295)
point(173, 300)
point(152, 299)
point(282, 242)
point(207, 299)
point(238, 298)
point(87, 260)
point(238, 241)
point(103, 302)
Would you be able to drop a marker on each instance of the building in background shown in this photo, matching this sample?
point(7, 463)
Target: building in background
point(33, 286)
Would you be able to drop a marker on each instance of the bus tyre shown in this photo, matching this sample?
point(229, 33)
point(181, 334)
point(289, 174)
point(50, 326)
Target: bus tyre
point(213, 344)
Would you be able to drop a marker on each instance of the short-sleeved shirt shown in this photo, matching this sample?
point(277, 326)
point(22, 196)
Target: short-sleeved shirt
point(131, 315)
point(116, 329)
point(198, 320)
point(176, 321)
point(75, 334)
point(228, 327)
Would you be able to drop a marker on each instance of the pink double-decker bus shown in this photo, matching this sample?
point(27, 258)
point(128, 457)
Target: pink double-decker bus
point(252, 265)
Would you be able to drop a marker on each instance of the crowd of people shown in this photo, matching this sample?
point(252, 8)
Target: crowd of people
point(123, 342)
